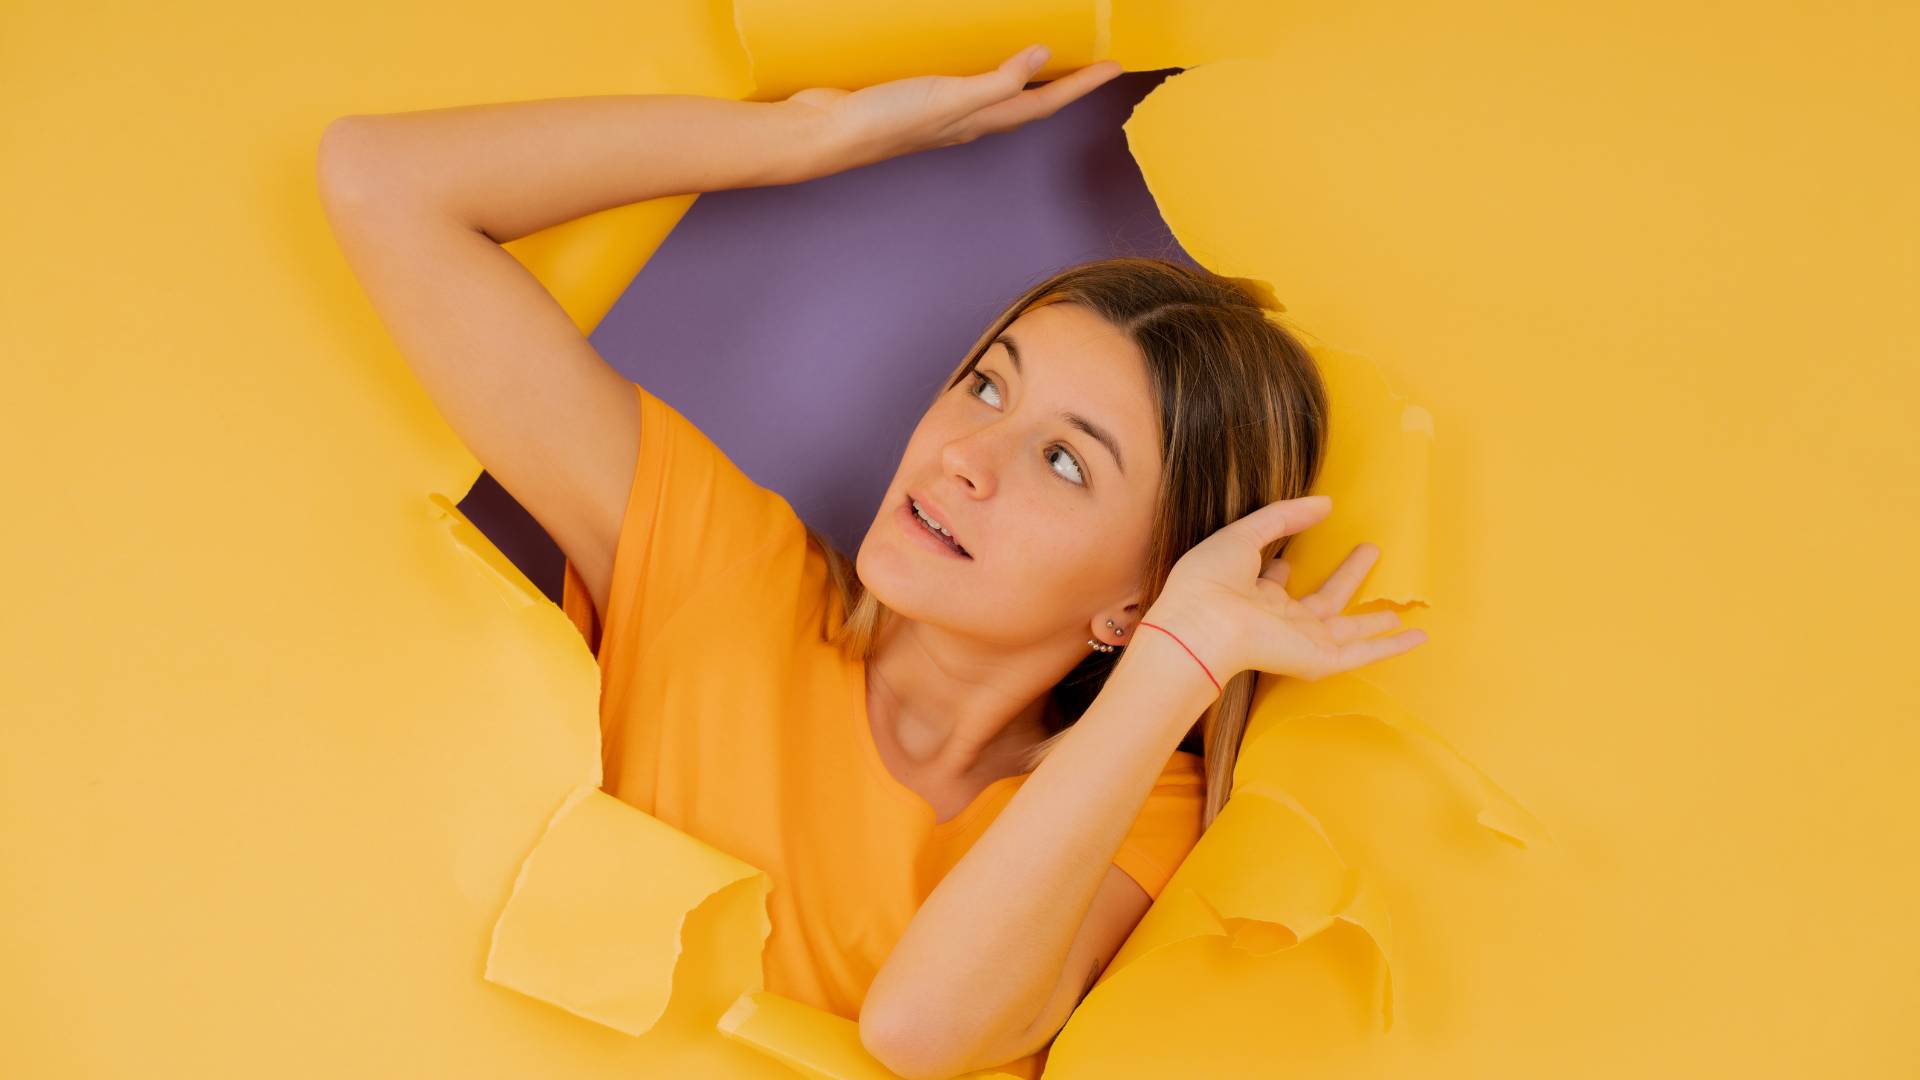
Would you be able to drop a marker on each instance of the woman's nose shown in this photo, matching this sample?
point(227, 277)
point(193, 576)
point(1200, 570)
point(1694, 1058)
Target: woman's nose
point(980, 456)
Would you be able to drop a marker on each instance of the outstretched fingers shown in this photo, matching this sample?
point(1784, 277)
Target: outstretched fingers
point(1360, 653)
point(1332, 596)
point(1345, 628)
point(1041, 101)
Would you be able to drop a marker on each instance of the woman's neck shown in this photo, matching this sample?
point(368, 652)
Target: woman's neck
point(950, 721)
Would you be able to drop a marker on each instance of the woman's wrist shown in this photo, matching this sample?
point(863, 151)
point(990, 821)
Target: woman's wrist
point(1174, 648)
point(825, 144)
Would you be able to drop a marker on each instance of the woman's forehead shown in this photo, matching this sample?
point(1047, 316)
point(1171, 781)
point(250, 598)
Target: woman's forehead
point(1089, 372)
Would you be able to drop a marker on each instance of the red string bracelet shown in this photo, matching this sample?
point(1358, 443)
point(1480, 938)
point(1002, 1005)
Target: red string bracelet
point(1190, 652)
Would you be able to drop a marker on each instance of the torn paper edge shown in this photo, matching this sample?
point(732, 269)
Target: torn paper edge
point(568, 806)
point(1360, 906)
point(1500, 813)
point(513, 585)
point(1410, 421)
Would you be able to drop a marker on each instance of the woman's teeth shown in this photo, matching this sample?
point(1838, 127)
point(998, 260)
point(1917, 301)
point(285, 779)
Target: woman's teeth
point(927, 522)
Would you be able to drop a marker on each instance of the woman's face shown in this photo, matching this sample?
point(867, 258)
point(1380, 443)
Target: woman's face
point(1054, 525)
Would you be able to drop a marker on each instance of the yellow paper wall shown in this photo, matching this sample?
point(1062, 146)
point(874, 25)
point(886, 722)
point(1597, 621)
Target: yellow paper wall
point(280, 731)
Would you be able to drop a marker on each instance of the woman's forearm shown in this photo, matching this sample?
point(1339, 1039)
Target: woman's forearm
point(514, 168)
point(985, 951)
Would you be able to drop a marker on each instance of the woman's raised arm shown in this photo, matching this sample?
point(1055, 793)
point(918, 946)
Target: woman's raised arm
point(420, 203)
point(513, 168)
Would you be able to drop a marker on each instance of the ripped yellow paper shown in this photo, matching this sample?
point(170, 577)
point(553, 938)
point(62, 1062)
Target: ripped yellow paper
point(596, 921)
point(1279, 701)
point(514, 587)
point(1648, 270)
point(1268, 878)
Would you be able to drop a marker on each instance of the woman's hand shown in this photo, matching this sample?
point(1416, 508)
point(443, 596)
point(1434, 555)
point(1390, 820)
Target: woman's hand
point(929, 111)
point(1231, 608)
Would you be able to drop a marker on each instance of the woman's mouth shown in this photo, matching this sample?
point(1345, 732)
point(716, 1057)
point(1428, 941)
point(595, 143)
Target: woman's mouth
point(934, 540)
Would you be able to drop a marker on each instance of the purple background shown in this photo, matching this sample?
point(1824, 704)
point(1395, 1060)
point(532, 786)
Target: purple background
point(804, 328)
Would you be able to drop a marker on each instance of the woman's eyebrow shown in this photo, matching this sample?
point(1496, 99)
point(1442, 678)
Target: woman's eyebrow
point(1099, 433)
point(1013, 350)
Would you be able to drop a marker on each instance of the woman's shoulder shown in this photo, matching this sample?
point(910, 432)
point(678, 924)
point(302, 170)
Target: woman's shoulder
point(699, 539)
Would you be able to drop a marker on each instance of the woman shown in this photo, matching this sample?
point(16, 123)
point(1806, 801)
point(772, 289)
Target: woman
point(959, 756)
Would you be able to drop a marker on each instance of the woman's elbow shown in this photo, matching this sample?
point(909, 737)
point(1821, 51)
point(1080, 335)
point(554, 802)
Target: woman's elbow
point(906, 1047)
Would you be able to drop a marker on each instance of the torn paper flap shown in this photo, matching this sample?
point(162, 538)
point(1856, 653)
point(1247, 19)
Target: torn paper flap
point(1265, 876)
point(594, 924)
point(1276, 701)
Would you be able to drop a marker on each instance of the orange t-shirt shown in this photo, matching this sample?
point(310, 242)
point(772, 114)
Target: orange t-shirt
point(725, 713)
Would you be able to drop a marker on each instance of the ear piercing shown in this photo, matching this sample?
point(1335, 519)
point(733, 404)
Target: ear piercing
point(1102, 646)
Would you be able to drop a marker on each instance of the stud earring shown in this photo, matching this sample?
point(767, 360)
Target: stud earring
point(1103, 646)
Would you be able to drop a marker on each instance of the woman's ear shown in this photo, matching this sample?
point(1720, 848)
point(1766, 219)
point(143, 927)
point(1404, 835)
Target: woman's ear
point(1117, 624)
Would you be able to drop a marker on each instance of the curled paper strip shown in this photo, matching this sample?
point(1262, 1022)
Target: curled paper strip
point(595, 921)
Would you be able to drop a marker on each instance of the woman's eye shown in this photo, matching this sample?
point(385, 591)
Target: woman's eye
point(1078, 476)
point(1070, 458)
point(982, 381)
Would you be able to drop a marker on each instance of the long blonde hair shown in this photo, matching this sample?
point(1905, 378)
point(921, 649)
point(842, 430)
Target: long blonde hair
point(1243, 421)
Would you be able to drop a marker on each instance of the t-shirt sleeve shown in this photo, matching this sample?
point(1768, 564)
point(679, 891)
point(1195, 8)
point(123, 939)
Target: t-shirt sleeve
point(1167, 827)
point(691, 517)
